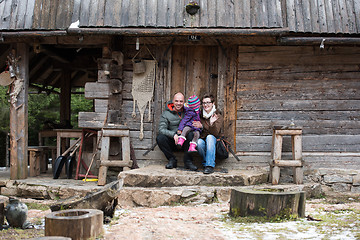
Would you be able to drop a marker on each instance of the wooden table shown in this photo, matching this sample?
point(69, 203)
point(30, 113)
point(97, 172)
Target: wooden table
point(62, 135)
point(45, 134)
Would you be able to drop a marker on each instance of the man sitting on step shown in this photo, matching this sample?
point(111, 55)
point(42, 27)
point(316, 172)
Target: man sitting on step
point(168, 138)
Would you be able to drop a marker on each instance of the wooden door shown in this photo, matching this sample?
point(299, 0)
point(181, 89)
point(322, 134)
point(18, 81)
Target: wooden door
point(194, 70)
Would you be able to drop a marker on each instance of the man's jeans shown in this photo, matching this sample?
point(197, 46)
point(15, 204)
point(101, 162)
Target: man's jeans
point(207, 150)
point(168, 147)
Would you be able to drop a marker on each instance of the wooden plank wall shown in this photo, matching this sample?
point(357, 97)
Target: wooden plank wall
point(318, 89)
point(323, 16)
point(194, 70)
point(140, 146)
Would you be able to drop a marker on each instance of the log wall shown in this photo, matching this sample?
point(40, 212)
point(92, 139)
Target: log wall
point(318, 89)
point(259, 87)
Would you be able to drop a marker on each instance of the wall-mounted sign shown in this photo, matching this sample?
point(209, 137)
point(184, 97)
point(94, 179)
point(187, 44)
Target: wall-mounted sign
point(194, 37)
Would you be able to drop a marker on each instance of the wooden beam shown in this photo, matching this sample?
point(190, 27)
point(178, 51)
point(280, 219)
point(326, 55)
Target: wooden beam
point(19, 116)
point(318, 40)
point(177, 31)
point(65, 97)
point(287, 163)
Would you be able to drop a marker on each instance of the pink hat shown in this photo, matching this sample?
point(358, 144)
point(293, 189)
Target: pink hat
point(194, 103)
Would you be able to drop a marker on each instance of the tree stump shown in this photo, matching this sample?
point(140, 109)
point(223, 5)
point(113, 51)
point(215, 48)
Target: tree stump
point(245, 202)
point(76, 223)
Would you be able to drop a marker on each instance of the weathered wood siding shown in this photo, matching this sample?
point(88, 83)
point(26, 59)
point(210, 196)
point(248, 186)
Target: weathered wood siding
point(318, 89)
point(315, 16)
point(127, 104)
point(194, 70)
point(323, 16)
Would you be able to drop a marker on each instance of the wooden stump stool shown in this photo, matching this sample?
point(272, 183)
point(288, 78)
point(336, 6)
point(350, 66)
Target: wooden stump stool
point(37, 160)
point(247, 202)
point(276, 150)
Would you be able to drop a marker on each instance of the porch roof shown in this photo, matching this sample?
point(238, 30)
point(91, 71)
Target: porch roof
point(299, 16)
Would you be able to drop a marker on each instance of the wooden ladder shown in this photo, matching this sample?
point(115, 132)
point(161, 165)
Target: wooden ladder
point(276, 150)
point(123, 133)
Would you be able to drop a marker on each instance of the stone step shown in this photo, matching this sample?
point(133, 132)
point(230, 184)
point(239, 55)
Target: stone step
point(195, 195)
point(158, 176)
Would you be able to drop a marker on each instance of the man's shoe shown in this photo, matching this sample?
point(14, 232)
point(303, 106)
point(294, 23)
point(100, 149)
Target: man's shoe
point(189, 165)
point(171, 164)
point(208, 170)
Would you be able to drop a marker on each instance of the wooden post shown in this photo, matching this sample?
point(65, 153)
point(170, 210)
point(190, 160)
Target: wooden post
point(298, 173)
point(125, 142)
point(105, 149)
point(275, 155)
point(19, 116)
point(65, 97)
point(227, 87)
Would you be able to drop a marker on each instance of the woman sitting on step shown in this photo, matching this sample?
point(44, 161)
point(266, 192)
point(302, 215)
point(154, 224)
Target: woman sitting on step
point(211, 122)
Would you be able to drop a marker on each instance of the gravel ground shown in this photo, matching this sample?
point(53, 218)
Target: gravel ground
point(340, 219)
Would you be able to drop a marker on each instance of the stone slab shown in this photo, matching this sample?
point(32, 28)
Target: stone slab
point(336, 178)
point(158, 176)
point(356, 180)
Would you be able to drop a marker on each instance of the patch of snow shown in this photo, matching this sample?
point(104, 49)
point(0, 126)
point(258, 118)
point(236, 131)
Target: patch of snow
point(75, 24)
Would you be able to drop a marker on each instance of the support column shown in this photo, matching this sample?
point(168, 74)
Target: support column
point(65, 97)
point(19, 114)
point(226, 94)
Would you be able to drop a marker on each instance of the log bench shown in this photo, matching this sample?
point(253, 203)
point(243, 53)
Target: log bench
point(276, 162)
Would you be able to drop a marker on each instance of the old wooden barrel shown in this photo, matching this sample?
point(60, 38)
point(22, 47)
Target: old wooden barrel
point(247, 202)
point(75, 223)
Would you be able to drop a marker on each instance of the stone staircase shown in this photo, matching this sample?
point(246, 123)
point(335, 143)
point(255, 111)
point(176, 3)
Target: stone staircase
point(154, 186)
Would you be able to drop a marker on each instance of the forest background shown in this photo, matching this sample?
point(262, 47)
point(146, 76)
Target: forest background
point(43, 110)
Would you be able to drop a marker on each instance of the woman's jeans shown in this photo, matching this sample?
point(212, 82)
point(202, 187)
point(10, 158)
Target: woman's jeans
point(207, 150)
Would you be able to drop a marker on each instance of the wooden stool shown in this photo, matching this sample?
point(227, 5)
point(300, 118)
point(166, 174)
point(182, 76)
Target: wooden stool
point(296, 162)
point(119, 131)
point(37, 160)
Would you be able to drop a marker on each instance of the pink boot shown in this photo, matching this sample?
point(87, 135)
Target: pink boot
point(181, 141)
point(192, 147)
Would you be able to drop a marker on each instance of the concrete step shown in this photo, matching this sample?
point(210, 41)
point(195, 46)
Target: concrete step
point(158, 176)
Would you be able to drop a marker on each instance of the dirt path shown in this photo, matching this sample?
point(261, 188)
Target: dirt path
point(181, 222)
point(210, 222)
point(340, 220)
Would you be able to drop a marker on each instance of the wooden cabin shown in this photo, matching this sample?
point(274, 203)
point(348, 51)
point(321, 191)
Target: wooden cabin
point(268, 63)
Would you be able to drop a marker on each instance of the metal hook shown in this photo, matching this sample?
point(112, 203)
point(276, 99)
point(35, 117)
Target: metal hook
point(322, 44)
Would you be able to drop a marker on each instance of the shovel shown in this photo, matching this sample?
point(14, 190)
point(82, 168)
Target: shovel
point(70, 162)
point(60, 161)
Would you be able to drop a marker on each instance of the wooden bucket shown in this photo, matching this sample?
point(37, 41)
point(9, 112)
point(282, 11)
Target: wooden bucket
point(139, 66)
